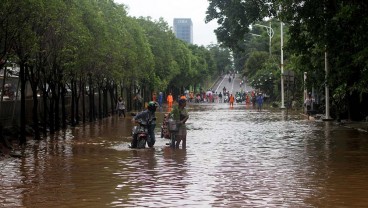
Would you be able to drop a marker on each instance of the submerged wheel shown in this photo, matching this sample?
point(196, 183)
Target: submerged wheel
point(150, 144)
point(141, 143)
point(134, 143)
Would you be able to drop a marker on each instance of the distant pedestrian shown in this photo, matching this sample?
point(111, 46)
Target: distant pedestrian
point(254, 99)
point(154, 96)
point(231, 100)
point(120, 107)
point(259, 101)
point(191, 96)
point(220, 98)
point(198, 98)
point(170, 100)
point(160, 98)
point(138, 102)
point(182, 97)
point(308, 103)
point(209, 96)
point(247, 99)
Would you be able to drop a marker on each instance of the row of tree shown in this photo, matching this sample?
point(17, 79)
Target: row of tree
point(319, 34)
point(94, 48)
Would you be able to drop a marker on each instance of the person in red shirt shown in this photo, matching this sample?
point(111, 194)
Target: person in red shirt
point(154, 97)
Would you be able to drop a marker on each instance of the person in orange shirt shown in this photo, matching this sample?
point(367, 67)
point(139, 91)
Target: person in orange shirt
point(247, 99)
point(170, 100)
point(183, 97)
point(191, 96)
point(231, 100)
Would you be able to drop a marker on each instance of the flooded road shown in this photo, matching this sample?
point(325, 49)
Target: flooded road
point(235, 157)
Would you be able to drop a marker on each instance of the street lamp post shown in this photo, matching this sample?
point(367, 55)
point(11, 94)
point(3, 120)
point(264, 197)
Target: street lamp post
point(270, 33)
point(282, 61)
point(282, 65)
point(327, 90)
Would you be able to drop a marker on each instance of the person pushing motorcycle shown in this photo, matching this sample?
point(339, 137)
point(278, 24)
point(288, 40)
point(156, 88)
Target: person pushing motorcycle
point(181, 135)
point(149, 116)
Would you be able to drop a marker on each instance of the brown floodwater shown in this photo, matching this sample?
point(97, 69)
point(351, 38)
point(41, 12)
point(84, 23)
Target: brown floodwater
point(235, 157)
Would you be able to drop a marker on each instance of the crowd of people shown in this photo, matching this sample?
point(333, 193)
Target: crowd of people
point(251, 98)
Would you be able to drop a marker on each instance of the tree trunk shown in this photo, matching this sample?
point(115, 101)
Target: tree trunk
point(72, 104)
point(52, 106)
point(105, 106)
point(91, 99)
point(63, 107)
point(22, 77)
point(83, 90)
point(45, 109)
point(57, 106)
point(34, 80)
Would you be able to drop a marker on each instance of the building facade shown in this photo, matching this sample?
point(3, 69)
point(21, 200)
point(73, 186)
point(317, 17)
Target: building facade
point(183, 29)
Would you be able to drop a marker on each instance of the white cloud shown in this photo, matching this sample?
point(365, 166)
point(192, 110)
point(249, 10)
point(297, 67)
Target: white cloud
point(169, 9)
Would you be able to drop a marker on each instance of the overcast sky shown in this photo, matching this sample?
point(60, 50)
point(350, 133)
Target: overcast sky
point(169, 9)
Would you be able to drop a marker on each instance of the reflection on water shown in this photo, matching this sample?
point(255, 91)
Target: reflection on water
point(235, 157)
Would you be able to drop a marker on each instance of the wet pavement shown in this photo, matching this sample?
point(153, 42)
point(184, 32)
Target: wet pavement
point(235, 157)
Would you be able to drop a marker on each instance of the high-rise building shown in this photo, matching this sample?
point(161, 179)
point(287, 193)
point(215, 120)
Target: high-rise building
point(183, 29)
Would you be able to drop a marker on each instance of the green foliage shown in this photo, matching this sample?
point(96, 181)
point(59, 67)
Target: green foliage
point(175, 113)
point(255, 62)
point(221, 59)
point(162, 44)
point(234, 17)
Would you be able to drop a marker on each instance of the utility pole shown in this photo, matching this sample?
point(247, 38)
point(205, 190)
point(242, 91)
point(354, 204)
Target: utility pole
point(282, 64)
point(270, 33)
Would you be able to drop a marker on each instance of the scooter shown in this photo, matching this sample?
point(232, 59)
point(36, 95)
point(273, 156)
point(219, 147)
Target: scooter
point(173, 127)
point(238, 99)
point(169, 129)
point(226, 99)
point(140, 135)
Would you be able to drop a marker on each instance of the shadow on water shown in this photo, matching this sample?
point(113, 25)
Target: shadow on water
point(235, 157)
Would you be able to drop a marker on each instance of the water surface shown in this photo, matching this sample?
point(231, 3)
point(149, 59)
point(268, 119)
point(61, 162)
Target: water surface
point(235, 157)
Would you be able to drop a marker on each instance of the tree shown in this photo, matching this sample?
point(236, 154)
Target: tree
point(234, 18)
point(162, 44)
point(222, 59)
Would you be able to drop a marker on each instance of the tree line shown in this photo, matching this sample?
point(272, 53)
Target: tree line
point(318, 34)
point(85, 48)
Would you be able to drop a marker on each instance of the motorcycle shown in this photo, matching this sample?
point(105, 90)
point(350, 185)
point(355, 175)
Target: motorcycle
point(140, 135)
point(226, 99)
point(169, 129)
point(238, 99)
